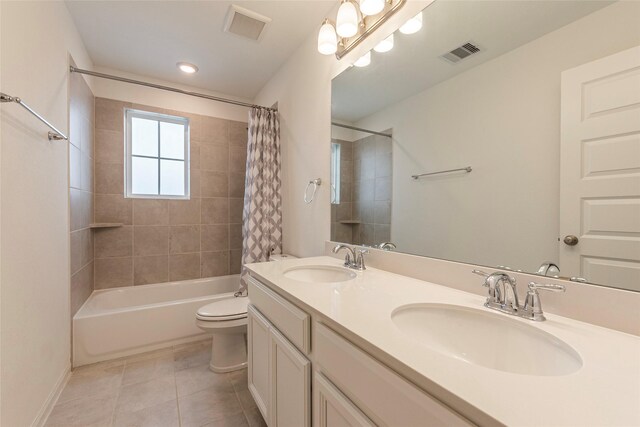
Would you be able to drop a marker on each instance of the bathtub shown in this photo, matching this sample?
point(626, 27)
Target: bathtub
point(120, 322)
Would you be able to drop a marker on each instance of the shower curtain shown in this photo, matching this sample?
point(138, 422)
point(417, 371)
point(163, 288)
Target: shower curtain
point(262, 213)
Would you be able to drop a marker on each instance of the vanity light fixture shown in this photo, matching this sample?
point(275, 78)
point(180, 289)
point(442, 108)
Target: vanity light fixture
point(385, 45)
point(364, 60)
point(413, 25)
point(354, 24)
point(185, 67)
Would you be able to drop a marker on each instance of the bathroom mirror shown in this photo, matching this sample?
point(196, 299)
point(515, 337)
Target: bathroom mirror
point(505, 134)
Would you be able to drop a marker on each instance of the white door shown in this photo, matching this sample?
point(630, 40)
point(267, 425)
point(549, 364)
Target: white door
point(600, 171)
point(290, 384)
point(259, 347)
point(333, 409)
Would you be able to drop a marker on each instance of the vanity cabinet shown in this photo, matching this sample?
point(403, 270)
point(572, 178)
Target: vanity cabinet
point(350, 388)
point(279, 376)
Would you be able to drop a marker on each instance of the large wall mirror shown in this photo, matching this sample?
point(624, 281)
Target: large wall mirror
point(502, 133)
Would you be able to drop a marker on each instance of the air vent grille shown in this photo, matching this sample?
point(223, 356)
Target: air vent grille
point(461, 52)
point(245, 23)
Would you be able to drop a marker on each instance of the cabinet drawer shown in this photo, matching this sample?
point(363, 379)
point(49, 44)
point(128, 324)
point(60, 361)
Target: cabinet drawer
point(333, 409)
point(384, 396)
point(289, 319)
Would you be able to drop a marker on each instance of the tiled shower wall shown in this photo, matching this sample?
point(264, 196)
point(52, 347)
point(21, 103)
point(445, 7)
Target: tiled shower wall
point(167, 240)
point(368, 174)
point(81, 153)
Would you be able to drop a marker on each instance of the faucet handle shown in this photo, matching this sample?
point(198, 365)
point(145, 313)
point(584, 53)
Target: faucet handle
point(546, 287)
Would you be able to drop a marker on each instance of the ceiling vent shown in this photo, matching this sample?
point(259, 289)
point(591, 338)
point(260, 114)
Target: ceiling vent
point(245, 23)
point(461, 52)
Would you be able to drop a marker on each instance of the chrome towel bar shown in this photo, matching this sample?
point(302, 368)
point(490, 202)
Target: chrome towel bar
point(56, 135)
point(467, 169)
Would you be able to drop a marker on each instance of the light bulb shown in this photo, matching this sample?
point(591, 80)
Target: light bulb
point(347, 20)
point(327, 39)
point(371, 7)
point(364, 60)
point(385, 45)
point(413, 25)
point(185, 67)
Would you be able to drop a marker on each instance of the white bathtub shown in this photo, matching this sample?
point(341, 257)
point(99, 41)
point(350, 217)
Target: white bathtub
point(120, 322)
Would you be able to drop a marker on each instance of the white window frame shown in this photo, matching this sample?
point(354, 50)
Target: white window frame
point(336, 152)
point(130, 114)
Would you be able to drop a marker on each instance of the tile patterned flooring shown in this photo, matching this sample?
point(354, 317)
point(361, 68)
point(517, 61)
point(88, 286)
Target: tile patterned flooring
point(164, 388)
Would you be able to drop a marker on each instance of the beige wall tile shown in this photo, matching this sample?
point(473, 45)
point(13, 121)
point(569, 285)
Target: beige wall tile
point(236, 205)
point(88, 137)
point(214, 184)
point(382, 212)
point(150, 269)
point(182, 212)
point(114, 242)
point(184, 239)
point(81, 287)
point(238, 133)
point(214, 264)
point(383, 189)
point(237, 159)
point(109, 178)
point(235, 261)
point(113, 272)
point(236, 185)
point(216, 131)
point(214, 238)
point(150, 240)
point(195, 186)
point(81, 208)
point(81, 249)
point(214, 157)
point(194, 154)
point(113, 208)
point(110, 114)
point(75, 168)
point(215, 210)
point(184, 266)
point(109, 146)
point(382, 233)
point(150, 212)
point(235, 236)
point(86, 172)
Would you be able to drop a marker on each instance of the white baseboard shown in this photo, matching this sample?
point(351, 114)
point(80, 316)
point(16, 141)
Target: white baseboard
point(48, 405)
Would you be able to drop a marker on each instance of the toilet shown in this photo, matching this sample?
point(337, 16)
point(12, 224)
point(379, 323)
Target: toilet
point(226, 321)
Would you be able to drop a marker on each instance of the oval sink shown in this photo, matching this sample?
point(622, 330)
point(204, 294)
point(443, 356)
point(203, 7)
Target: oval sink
point(319, 274)
point(487, 339)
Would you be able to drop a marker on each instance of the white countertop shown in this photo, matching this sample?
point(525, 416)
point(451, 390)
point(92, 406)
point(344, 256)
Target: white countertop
point(605, 391)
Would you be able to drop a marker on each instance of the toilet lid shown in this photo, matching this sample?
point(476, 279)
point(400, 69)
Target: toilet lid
point(225, 309)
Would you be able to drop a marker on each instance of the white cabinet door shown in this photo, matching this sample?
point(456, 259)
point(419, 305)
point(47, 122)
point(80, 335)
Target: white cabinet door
point(331, 408)
point(259, 347)
point(290, 384)
point(599, 173)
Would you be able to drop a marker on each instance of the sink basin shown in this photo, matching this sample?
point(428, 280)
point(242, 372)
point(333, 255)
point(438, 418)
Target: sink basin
point(319, 274)
point(487, 339)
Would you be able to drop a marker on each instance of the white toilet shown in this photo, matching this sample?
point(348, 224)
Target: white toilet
point(226, 320)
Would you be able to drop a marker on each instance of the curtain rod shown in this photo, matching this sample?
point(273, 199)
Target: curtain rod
point(167, 88)
point(340, 125)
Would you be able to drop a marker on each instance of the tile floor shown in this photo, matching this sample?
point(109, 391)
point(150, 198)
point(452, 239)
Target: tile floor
point(164, 388)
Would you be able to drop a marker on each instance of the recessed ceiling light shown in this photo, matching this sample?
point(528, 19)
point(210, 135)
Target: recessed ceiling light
point(185, 67)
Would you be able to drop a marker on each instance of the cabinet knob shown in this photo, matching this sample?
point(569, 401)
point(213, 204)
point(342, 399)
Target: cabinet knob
point(571, 240)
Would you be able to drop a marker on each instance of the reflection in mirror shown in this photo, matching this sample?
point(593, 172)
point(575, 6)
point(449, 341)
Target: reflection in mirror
point(521, 120)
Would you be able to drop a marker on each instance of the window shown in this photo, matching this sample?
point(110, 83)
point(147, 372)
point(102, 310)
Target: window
point(335, 173)
point(157, 155)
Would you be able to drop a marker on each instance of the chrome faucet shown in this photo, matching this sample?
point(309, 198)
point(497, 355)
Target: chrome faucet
point(354, 257)
point(386, 246)
point(503, 295)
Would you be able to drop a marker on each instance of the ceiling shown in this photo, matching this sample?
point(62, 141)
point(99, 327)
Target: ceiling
point(414, 64)
point(148, 38)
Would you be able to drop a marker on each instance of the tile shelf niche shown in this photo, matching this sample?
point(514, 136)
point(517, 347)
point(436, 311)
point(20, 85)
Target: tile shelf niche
point(99, 225)
point(349, 222)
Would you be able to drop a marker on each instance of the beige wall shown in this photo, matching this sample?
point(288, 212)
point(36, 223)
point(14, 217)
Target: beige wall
point(302, 89)
point(36, 39)
point(81, 125)
point(503, 119)
point(167, 240)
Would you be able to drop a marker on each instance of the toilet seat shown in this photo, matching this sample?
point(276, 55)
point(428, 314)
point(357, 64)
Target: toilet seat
point(225, 310)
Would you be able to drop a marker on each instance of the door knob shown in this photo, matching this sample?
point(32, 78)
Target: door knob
point(571, 240)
